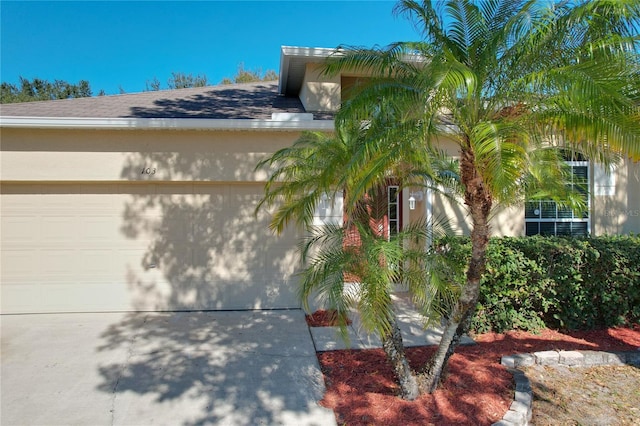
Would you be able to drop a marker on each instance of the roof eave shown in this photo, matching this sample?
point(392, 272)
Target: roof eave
point(164, 123)
point(290, 81)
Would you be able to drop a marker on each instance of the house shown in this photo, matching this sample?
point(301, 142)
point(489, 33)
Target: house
point(147, 201)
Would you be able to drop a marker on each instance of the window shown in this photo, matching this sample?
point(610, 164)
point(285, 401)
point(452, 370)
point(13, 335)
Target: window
point(547, 218)
point(393, 210)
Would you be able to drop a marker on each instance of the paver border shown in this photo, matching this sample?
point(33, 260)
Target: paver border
point(520, 411)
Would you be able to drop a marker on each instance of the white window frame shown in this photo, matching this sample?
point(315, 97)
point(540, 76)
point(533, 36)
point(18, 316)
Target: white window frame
point(560, 220)
point(393, 205)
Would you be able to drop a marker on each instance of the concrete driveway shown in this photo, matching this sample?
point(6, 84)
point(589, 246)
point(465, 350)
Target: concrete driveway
point(225, 368)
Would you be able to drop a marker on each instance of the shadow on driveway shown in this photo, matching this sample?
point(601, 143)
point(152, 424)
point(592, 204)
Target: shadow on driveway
point(240, 368)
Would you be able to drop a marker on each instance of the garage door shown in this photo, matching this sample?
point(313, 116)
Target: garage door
point(118, 247)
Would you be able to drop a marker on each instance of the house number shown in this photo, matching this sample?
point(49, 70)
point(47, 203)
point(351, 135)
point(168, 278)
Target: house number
point(148, 171)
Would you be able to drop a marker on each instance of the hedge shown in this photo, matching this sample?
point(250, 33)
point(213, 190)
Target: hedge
point(554, 282)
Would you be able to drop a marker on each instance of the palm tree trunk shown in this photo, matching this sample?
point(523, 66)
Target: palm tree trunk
point(479, 201)
point(394, 350)
point(457, 325)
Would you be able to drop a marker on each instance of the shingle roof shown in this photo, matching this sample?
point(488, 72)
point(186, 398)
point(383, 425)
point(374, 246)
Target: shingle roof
point(238, 101)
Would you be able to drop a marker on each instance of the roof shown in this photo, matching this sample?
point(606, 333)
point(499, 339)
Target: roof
point(253, 106)
point(237, 101)
point(260, 105)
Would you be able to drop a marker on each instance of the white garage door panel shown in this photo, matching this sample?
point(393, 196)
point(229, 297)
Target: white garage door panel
point(19, 229)
point(15, 263)
point(57, 297)
point(78, 248)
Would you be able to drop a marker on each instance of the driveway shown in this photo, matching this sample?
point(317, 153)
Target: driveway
point(224, 368)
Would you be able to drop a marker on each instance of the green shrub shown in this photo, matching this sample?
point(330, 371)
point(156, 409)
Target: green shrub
point(570, 283)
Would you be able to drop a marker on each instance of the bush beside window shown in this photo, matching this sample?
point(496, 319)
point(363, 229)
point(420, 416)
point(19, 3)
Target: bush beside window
point(555, 282)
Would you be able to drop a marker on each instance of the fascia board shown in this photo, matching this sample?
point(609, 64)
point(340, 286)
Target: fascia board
point(307, 52)
point(164, 123)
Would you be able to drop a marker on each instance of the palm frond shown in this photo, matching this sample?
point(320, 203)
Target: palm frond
point(426, 18)
point(426, 273)
point(510, 82)
point(501, 153)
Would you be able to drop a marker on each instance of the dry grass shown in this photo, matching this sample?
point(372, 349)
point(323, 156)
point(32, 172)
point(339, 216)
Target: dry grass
point(605, 395)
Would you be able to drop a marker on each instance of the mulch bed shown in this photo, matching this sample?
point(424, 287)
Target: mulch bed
point(324, 318)
point(478, 391)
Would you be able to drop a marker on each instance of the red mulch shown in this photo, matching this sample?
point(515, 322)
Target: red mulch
point(478, 391)
point(323, 318)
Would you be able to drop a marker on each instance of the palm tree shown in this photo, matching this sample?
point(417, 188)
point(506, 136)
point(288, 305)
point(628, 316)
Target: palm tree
point(313, 171)
point(511, 84)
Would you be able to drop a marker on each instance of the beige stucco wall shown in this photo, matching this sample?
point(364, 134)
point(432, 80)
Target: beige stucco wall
point(617, 201)
point(508, 221)
point(319, 92)
point(122, 155)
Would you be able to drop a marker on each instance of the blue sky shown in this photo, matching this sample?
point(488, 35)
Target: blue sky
point(125, 43)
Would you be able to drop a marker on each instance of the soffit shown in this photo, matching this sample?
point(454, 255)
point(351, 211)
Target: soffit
point(293, 64)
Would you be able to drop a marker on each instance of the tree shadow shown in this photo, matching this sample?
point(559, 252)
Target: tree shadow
point(197, 245)
point(193, 227)
point(206, 250)
point(240, 367)
point(242, 101)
